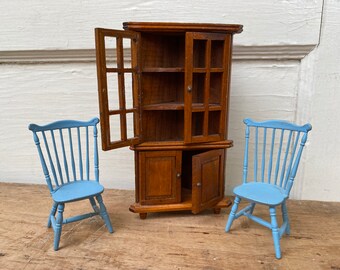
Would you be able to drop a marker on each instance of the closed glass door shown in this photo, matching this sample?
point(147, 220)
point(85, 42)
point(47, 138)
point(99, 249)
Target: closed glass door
point(206, 85)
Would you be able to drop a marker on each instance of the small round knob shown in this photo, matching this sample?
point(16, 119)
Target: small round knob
point(198, 184)
point(189, 88)
point(178, 175)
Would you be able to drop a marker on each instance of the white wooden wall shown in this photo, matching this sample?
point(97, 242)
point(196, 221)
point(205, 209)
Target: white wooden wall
point(286, 66)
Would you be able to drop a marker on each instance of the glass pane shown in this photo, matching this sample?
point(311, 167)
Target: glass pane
point(199, 53)
point(198, 82)
point(214, 122)
point(128, 90)
point(215, 88)
point(197, 124)
point(217, 47)
point(127, 52)
point(130, 125)
point(112, 91)
point(110, 52)
point(115, 134)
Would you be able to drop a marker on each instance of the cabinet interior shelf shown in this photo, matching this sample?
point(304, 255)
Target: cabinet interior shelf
point(196, 107)
point(163, 69)
point(177, 69)
point(205, 70)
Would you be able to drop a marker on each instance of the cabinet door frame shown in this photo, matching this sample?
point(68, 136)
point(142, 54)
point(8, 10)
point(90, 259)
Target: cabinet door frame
point(201, 187)
point(145, 198)
point(120, 70)
point(190, 70)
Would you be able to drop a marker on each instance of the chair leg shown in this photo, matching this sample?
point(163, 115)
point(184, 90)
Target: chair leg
point(52, 214)
point(59, 223)
point(275, 232)
point(104, 214)
point(252, 208)
point(285, 217)
point(232, 213)
point(94, 205)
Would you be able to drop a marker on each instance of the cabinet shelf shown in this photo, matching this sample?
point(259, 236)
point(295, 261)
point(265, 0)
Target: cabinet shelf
point(205, 70)
point(162, 69)
point(176, 106)
point(176, 69)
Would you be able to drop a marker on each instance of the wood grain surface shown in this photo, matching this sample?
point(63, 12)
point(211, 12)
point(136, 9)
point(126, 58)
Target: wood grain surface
point(176, 240)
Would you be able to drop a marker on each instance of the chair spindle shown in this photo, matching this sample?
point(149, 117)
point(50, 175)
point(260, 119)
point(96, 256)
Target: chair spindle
point(64, 155)
point(283, 169)
point(73, 164)
point(263, 154)
point(87, 155)
point(255, 153)
point(80, 155)
point(271, 156)
point(95, 154)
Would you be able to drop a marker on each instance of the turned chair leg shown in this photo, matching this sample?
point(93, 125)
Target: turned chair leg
point(52, 214)
point(275, 232)
point(94, 205)
point(58, 225)
point(232, 213)
point(103, 213)
point(285, 217)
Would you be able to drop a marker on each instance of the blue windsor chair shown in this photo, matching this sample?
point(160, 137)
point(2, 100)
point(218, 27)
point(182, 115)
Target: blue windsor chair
point(66, 152)
point(272, 173)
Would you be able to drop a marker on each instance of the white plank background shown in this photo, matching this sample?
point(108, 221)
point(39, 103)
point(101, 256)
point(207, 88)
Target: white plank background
point(269, 79)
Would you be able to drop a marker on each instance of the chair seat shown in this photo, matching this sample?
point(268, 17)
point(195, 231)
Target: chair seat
point(262, 193)
point(77, 190)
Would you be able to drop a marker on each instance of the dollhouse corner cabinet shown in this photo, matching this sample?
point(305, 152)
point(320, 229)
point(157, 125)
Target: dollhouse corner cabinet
point(164, 92)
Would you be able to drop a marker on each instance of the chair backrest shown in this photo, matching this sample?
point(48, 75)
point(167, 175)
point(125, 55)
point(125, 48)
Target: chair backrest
point(66, 151)
point(275, 147)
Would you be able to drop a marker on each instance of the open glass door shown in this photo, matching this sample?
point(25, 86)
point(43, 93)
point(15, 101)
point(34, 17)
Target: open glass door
point(207, 64)
point(118, 83)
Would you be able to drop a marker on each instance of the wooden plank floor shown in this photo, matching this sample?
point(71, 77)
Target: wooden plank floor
point(163, 241)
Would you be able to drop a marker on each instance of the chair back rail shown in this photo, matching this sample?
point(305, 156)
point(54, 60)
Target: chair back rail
point(276, 148)
point(64, 155)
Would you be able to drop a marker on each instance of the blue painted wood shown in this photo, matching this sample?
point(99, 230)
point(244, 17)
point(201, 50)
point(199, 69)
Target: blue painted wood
point(58, 226)
point(263, 164)
point(279, 156)
point(256, 153)
point(87, 155)
point(80, 155)
point(262, 193)
point(257, 219)
point(79, 217)
point(72, 180)
point(271, 156)
point(245, 162)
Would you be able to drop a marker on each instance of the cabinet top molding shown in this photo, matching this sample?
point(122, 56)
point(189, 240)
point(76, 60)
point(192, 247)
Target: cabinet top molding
point(182, 27)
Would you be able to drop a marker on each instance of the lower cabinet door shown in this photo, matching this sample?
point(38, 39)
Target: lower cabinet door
point(160, 177)
point(207, 179)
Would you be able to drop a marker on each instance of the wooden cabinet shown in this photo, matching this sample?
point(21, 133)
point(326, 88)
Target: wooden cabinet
point(164, 91)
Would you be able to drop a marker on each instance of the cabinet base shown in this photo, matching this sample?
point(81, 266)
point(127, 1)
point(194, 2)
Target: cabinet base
point(142, 210)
